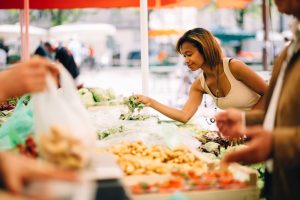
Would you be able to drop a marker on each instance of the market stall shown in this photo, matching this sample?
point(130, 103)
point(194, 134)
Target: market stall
point(165, 159)
point(157, 159)
point(149, 157)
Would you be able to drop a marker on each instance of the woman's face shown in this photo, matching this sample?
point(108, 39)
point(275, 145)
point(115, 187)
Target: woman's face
point(193, 59)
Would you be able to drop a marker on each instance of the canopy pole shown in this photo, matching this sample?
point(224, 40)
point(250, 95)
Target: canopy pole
point(144, 46)
point(26, 19)
point(266, 44)
point(21, 15)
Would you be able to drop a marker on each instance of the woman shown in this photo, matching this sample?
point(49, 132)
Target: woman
point(230, 82)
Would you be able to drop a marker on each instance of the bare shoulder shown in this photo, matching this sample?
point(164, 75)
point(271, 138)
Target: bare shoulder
point(196, 85)
point(239, 69)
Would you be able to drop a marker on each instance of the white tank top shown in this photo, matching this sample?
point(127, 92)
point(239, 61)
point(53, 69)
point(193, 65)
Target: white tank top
point(240, 96)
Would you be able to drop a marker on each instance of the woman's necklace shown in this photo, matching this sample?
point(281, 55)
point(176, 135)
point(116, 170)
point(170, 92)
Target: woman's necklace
point(212, 120)
point(217, 91)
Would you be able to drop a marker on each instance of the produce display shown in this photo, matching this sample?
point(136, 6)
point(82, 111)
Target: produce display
point(178, 169)
point(136, 158)
point(190, 181)
point(28, 148)
point(134, 108)
point(61, 148)
point(7, 107)
point(96, 96)
point(4, 115)
point(110, 131)
point(212, 142)
point(9, 104)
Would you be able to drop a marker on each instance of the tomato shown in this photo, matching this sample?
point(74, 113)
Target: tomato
point(225, 180)
point(136, 189)
point(175, 183)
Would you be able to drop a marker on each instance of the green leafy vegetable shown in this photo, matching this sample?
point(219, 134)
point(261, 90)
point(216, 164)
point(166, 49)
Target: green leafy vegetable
point(86, 97)
point(110, 131)
point(133, 106)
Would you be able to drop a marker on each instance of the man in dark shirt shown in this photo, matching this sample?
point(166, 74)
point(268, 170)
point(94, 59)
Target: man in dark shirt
point(65, 57)
point(42, 51)
point(3, 53)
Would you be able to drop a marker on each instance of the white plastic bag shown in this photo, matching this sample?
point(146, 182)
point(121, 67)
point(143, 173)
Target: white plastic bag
point(63, 131)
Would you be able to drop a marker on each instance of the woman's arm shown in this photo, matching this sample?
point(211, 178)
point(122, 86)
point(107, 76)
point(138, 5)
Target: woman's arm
point(183, 115)
point(251, 79)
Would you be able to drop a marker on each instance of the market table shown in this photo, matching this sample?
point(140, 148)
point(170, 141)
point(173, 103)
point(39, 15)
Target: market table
point(151, 132)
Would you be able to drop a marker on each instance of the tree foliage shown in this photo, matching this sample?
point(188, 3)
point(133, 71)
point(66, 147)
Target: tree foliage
point(54, 16)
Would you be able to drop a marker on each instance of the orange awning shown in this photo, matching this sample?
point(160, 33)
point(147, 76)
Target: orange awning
point(164, 32)
point(189, 3)
point(240, 4)
point(69, 4)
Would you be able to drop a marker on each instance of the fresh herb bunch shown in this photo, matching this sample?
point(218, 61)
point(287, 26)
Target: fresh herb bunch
point(13, 101)
point(27, 99)
point(110, 131)
point(133, 105)
point(2, 114)
point(130, 116)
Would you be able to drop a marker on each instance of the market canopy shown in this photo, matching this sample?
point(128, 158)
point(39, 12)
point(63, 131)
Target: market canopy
point(69, 4)
point(9, 30)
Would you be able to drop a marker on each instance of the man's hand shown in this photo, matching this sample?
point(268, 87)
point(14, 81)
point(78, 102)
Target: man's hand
point(230, 124)
point(258, 149)
point(16, 171)
point(26, 77)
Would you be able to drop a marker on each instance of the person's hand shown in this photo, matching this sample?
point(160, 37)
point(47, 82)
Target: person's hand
point(230, 124)
point(144, 99)
point(26, 77)
point(9, 196)
point(258, 149)
point(16, 171)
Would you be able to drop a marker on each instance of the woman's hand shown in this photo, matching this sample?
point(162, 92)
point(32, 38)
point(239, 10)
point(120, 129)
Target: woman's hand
point(147, 101)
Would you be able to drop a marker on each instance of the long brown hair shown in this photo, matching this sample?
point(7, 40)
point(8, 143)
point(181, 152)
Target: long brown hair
point(206, 44)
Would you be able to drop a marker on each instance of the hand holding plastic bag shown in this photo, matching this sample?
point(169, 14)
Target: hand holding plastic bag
point(63, 131)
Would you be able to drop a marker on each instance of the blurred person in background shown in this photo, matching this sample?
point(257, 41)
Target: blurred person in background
point(277, 141)
point(230, 82)
point(76, 48)
point(42, 51)
point(3, 54)
point(91, 55)
point(65, 57)
point(17, 171)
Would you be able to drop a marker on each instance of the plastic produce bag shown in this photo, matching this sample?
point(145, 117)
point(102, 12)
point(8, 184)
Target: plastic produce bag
point(18, 126)
point(64, 134)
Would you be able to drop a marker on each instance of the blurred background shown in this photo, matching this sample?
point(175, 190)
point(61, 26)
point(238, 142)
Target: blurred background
point(106, 45)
